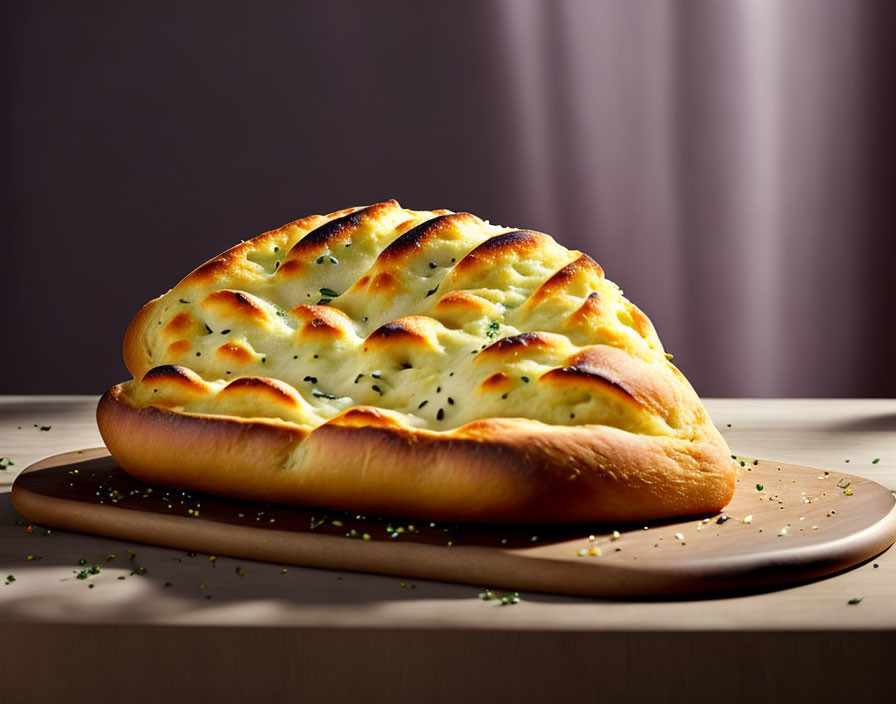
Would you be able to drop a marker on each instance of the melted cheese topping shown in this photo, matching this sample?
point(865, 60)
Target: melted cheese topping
point(429, 320)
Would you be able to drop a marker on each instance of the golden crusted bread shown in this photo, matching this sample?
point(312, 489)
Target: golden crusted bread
point(421, 364)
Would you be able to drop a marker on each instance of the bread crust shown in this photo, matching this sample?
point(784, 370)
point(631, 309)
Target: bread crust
point(498, 470)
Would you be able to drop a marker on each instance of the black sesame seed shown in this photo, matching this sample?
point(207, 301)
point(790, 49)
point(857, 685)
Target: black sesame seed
point(438, 389)
point(376, 375)
point(312, 379)
point(422, 404)
point(358, 377)
point(503, 395)
point(276, 249)
point(440, 414)
point(377, 389)
point(334, 259)
point(225, 332)
point(433, 265)
point(316, 356)
point(525, 379)
point(320, 260)
point(430, 292)
point(450, 401)
point(199, 354)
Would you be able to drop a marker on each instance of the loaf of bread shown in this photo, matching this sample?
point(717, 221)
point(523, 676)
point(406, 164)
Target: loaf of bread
point(428, 365)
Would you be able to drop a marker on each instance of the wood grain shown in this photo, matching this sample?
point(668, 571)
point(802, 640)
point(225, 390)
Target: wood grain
point(786, 524)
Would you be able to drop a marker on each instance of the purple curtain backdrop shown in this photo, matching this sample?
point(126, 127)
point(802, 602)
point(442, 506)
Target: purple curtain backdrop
point(731, 165)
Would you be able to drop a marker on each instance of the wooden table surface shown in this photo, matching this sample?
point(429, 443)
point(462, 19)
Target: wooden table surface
point(339, 634)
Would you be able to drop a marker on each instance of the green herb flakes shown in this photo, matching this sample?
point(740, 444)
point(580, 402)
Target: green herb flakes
point(42, 427)
point(10, 579)
point(760, 487)
point(487, 595)
point(6, 462)
point(239, 572)
point(874, 461)
point(855, 600)
point(328, 293)
point(510, 598)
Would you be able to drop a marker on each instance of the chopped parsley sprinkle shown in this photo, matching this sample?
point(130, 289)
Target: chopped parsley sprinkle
point(875, 460)
point(10, 579)
point(759, 487)
point(510, 598)
point(855, 600)
point(6, 462)
point(487, 595)
point(239, 572)
point(493, 328)
point(328, 293)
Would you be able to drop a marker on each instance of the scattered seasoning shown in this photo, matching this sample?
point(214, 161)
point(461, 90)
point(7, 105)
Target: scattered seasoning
point(450, 401)
point(433, 265)
point(276, 249)
point(441, 414)
point(10, 579)
point(722, 519)
point(225, 332)
point(408, 585)
point(510, 598)
point(875, 460)
point(182, 300)
point(333, 259)
point(616, 535)
point(321, 394)
point(493, 328)
point(431, 291)
point(6, 462)
point(422, 404)
point(328, 293)
point(377, 389)
point(312, 379)
point(208, 330)
point(42, 427)
point(283, 571)
point(90, 586)
point(239, 572)
point(503, 395)
point(487, 595)
point(855, 600)
point(759, 487)
point(357, 378)
point(320, 259)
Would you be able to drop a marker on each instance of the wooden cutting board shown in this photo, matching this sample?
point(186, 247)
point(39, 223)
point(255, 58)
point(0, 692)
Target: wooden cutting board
point(785, 524)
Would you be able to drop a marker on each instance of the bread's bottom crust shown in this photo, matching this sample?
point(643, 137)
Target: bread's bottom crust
point(492, 471)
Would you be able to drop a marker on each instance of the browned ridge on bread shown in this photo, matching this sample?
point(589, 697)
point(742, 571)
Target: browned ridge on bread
point(425, 364)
